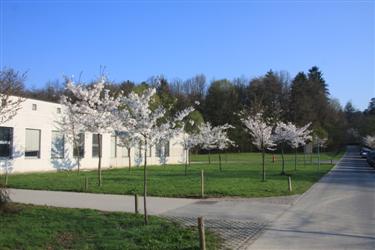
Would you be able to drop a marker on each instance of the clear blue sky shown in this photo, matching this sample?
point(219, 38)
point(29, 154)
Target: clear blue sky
point(223, 39)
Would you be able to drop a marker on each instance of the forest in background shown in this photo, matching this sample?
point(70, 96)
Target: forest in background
point(300, 99)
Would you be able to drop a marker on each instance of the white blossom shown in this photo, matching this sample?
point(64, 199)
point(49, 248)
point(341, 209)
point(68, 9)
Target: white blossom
point(291, 134)
point(369, 141)
point(260, 131)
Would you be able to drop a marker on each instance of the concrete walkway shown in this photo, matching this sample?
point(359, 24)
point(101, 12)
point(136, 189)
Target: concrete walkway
point(103, 202)
point(338, 212)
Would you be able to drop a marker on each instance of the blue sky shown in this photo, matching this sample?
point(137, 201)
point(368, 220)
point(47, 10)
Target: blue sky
point(221, 39)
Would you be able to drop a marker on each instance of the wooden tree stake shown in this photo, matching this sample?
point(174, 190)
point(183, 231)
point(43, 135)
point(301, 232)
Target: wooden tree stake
point(202, 238)
point(202, 183)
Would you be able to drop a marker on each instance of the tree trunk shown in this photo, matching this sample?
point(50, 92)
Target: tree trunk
point(304, 155)
point(186, 160)
point(282, 160)
point(78, 156)
point(295, 160)
point(318, 156)
point(220, 162)
point(129, 158)
point(145, 186)
point(100, 161)
point(6, 179)
point(78, 163)
point(263, 166)
point(189, 161)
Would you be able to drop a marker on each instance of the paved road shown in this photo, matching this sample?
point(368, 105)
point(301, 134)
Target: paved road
point(336, 213)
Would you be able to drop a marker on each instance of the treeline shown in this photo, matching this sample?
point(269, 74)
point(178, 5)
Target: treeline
point(302, 99)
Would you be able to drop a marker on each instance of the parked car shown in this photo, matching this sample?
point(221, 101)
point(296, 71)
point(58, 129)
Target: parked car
point(371, 158)
point(364, 151)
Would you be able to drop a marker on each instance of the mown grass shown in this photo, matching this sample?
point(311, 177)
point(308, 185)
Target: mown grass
point(241, 176)
point(40, 227)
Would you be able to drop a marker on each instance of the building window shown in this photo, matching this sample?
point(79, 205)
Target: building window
point(59, 110)
point(166, 149)
point(158, 150)
point(113, 146)
point(34, 107)
point(32, 145)
point(6, 139)
point(139, 151)
point(79, 147)
point(95, 145)
point(162, 149)
point(57, 145)
point(124, 152)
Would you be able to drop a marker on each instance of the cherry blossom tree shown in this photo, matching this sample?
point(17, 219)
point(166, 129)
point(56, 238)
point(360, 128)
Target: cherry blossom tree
point(261, 134)
point(148, 125)
point(320, 143)
point(96, 109)
point(71, 126)
point(283, 134)
point(188, 141)
point(301, 136)
point(128, 141)
point(221, 141)
point(208, 141)
point(369, 141)
point(290, 134)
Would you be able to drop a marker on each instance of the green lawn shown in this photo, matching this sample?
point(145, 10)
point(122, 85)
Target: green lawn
point(241, 176)
point(40, 227)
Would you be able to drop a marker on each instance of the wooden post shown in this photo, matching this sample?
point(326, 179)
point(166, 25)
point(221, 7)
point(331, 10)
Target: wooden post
point(202, 183)
point(290, 184)
point(136, 203)
point(86, 183)
point(202, 238)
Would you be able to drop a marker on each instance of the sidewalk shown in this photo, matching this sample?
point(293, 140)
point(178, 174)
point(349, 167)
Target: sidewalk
point(103, 202)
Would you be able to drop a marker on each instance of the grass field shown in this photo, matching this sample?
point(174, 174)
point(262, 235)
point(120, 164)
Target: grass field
point(241, 176)
point(39, 227)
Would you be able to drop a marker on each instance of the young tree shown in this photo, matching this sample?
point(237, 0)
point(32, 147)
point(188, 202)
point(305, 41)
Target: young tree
point(288, 133)
point(188, 141)
point(300, 136)
point(282, 136)
point(261, 134)
point(148, 125)
point(71, 126)
point(320, 143)
point(96, 109)
point(128, 141)
point(11, 85)
point(208, 141)
point(221, 139)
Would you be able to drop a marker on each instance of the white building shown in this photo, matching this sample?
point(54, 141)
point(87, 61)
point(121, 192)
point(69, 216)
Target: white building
point(32, 141)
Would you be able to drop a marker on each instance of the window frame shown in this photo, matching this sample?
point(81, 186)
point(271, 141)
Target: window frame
point(115, 146)
point(99, 147)
point(77, 149)
point(62, 154)
point(9, 143)
point(40, 142)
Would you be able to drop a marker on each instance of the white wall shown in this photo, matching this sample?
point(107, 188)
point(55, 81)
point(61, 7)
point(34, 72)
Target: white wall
point(44, 118)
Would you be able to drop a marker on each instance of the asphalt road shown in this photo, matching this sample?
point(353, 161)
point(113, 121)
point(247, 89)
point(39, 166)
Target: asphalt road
point(338, 212)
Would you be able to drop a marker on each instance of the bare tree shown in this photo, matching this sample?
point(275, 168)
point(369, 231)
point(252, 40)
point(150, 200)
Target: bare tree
point(11, 87)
